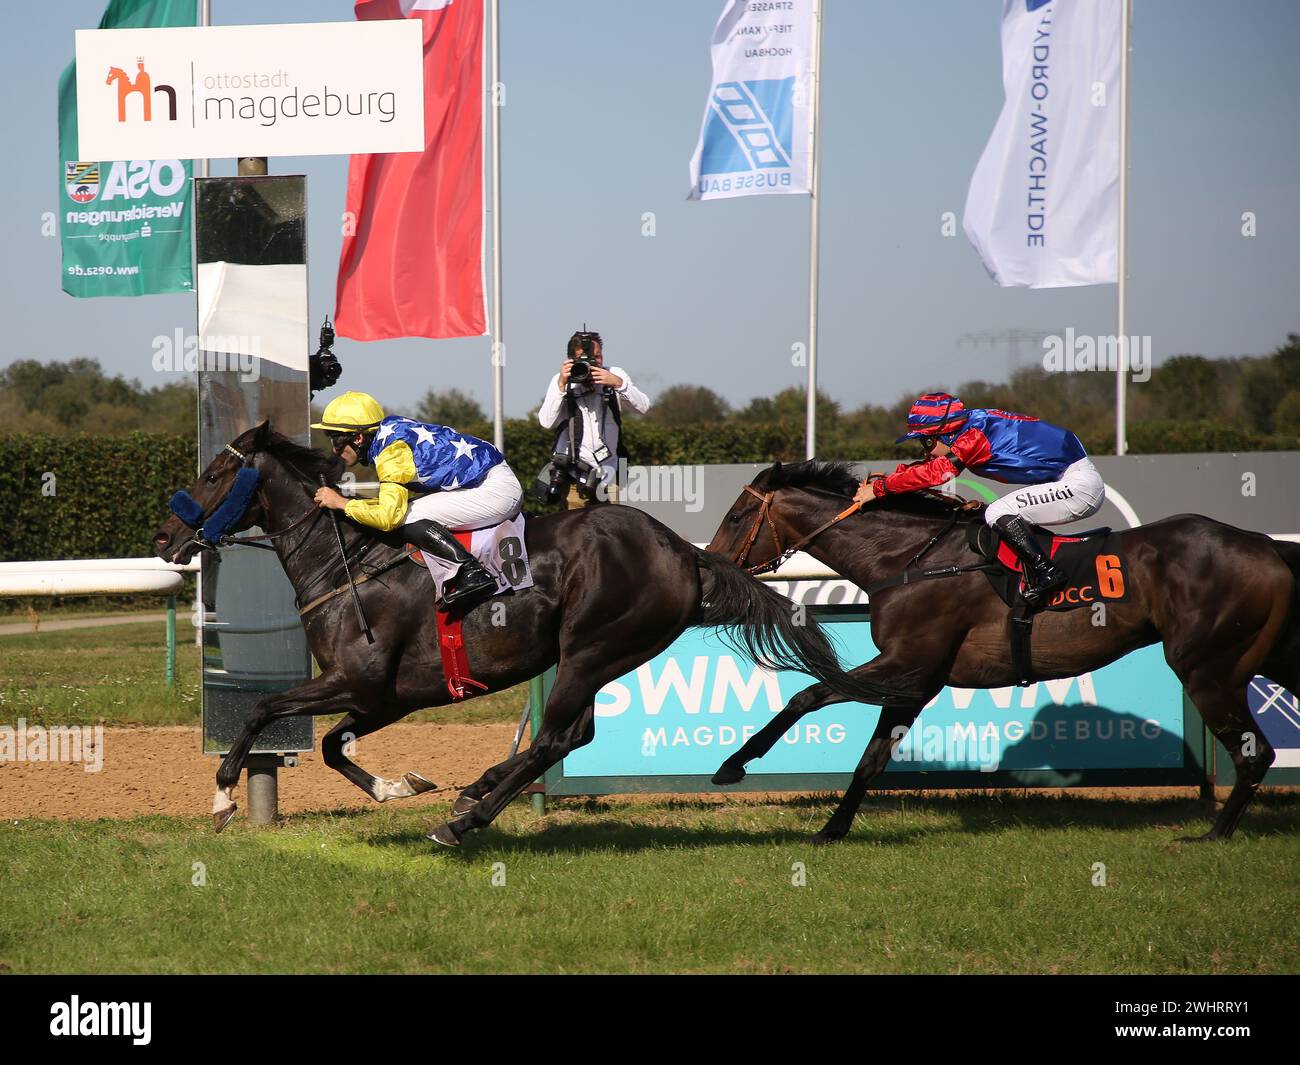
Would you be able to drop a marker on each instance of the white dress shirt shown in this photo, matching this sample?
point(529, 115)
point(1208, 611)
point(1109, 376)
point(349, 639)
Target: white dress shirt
point(554, 411)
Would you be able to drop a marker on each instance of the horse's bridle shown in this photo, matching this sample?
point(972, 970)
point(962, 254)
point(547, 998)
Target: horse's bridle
point(252, 541)
point(764, 514)
point(780, 554)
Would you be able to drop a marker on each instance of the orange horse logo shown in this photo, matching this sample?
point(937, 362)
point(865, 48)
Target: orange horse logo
point(142, 84)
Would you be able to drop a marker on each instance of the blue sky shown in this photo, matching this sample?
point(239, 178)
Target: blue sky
point(603, 107)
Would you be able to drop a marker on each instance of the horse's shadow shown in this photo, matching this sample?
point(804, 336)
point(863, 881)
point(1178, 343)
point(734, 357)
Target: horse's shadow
point(1056, 726)
point(966, 813)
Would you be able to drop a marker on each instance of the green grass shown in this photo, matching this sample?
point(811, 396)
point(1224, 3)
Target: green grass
point(115, 675)
point(973, 883)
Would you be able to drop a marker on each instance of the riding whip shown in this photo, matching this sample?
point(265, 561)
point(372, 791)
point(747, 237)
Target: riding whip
point(347, 570)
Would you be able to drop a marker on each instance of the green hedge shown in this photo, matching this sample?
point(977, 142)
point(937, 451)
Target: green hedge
point(108, 494)
point(82, 496)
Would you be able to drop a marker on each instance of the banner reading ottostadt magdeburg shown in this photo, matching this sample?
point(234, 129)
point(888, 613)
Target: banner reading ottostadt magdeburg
point(226, 91)
point(756, 137)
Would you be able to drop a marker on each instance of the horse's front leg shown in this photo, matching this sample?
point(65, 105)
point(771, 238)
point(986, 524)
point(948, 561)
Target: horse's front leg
point(329, 693)
point(353, 727)
point(894, 722)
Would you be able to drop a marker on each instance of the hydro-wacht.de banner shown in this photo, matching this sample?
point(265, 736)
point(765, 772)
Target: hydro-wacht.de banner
point(756, 138)
point(1043, 205)
point(124, 225)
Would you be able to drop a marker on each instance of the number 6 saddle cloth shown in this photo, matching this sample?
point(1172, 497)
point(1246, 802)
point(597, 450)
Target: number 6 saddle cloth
point(1095, 567)
point(501, 548)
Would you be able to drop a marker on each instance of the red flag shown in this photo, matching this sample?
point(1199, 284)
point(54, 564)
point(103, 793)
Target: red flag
point(414, 267)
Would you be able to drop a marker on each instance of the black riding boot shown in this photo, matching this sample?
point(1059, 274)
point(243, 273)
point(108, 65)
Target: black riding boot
point(1041, 577)
point(472, 581)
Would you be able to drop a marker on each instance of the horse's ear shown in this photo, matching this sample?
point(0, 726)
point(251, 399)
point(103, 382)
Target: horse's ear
point(262, 434)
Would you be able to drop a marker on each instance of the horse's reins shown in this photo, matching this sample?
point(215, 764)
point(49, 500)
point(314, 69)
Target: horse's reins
point(764, 514)
point(312, 515)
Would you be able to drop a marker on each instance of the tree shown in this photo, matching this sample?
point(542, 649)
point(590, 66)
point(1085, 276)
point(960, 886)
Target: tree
point(452, 407)
point(688, 405)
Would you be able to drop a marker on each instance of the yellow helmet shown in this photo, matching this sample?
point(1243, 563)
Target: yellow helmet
point(352, 410)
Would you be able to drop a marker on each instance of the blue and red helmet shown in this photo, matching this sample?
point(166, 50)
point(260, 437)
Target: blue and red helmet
point(934, 414)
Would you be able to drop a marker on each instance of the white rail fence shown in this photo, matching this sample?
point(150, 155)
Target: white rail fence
point(102, 576)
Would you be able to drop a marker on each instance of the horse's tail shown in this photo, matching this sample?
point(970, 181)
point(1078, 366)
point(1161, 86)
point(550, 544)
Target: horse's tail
point(763, 626)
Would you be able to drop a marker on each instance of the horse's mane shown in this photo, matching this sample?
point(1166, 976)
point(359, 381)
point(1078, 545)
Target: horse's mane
point(836, 477)
point(307, 461)
point(839, 479)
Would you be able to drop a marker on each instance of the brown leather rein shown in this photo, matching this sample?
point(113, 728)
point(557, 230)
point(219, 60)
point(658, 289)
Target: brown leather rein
point(783, 553)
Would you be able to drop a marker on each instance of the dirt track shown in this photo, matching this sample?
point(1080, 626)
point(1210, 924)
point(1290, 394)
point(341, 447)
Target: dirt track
point(160, 771)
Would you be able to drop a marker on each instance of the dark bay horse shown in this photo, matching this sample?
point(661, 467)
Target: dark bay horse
point(613, 588)
point(1224, 602)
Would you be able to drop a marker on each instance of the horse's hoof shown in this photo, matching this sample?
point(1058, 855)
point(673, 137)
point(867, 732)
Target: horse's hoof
point(444, 835)
point(222, 819)
point(729, 774)
point(823, 838)
point(418, 784)
point(465, 804)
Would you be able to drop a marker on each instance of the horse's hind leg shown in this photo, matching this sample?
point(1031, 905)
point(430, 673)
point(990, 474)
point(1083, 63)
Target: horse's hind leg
point(894, 722)
point(353, 727)
point(1227, 713)
point(569, 722)
point(481, 788)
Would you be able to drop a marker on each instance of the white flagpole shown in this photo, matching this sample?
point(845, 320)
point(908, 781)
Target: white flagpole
point(498, 330)
point(1121, 380)
point(814, 235)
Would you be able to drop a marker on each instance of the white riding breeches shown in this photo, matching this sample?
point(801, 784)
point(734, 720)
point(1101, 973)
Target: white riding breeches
point(1078, 494)
point(493, 500)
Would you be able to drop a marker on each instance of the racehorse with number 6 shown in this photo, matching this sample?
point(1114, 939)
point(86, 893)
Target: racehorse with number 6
point(1224, 602)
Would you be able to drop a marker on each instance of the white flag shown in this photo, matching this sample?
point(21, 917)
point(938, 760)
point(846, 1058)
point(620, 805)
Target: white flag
point(1043, 205)
point(756, 137)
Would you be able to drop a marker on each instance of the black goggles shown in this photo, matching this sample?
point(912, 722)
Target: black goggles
point(338, 441)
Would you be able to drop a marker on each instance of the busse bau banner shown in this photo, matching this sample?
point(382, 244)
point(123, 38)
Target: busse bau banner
point(124, 223)
point(756, 135)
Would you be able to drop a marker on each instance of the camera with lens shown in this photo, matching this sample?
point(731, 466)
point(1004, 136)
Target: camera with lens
point(552, 484)
point(584, 357)
point(323, 368)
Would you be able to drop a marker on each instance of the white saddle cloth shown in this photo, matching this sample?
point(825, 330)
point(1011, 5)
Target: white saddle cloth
point(502, 550)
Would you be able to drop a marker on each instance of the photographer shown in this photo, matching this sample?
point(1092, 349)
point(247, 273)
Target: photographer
point(583, 403)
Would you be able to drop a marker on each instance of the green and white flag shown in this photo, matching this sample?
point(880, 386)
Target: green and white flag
point(124, 225)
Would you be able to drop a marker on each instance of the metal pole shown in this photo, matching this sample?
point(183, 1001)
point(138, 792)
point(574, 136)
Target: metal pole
point(171, 640)
point(263, 788)
point(1121, 380)
point(814, 235)
point(498, 328)
point(535, 701)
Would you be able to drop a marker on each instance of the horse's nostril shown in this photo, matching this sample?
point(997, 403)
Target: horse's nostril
point(161, 539)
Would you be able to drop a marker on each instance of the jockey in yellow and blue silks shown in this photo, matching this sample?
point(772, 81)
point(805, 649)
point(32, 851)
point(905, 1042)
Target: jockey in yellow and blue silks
point(460, 481)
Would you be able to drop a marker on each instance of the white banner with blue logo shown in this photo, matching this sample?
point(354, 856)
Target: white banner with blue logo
point(1043, 205)
point(756, 137)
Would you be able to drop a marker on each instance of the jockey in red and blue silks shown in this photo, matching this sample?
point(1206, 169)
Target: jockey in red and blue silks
point(1060, 482)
